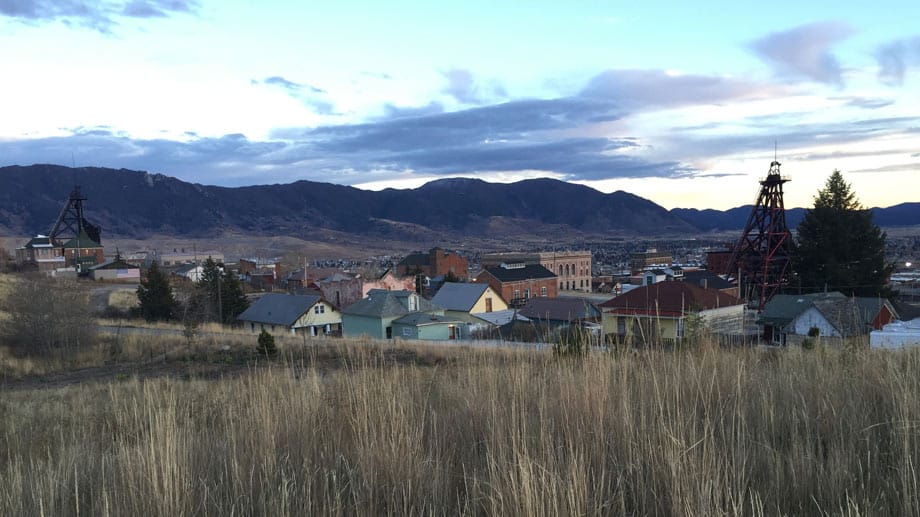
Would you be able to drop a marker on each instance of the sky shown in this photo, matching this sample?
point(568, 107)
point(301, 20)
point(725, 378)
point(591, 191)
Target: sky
point(682, 103)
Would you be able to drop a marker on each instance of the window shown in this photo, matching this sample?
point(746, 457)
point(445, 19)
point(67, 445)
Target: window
point(561, 286)
point(543, 291)
point(489, 304)
point(517, 293)
point(407, 332)
point(526, 293)
point(621, 326)
point(680, 328)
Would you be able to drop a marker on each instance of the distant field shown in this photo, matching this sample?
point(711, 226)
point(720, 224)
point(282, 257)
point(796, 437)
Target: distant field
point(365, 428)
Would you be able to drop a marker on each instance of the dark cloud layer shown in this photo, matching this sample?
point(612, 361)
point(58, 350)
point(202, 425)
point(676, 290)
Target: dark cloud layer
point(521, 135)
point(94, 14)
point(805, 51)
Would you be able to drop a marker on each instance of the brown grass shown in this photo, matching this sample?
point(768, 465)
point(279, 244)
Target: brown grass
point(389, 431)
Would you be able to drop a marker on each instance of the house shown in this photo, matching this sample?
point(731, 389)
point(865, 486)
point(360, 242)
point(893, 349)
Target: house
point(116, 270)
point(654, 276)
point(83, 252)
point(436, 262)
point(460, 300)
point(41, 252)
point(658, 313)
point(897, 334)
point(191, 272)
point(573, 268)
point(788, 318)
point(429, 326)
point(388, 281)
point(517, 283)
point(341, 289)
point(374, 315)
point(561, 311)
point(294, 314)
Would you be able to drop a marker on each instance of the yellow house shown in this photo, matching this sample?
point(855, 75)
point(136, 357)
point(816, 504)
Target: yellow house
point(657, 314)
point(461, 299)
point(293, 314)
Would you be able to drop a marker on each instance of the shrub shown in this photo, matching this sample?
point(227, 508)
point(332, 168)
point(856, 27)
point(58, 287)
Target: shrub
point(266, 345)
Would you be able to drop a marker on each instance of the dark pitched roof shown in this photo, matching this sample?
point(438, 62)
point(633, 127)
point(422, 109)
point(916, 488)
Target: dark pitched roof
point(455, 296)
point(516, 274)
point(559, 309)
point(381, 303)
point(670, 299)
point(713, 281)
point(82, 241)
point(115, 264)
point(783, 308)
point(279, 309)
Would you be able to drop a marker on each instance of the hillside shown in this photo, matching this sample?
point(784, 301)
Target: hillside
point(136, 204)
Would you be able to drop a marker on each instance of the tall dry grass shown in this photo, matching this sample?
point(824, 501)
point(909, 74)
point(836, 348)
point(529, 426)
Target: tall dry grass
point(707, 433)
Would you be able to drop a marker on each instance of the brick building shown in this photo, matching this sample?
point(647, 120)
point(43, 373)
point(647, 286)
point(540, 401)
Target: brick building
point(437, 262)
point(573, 268)
point(649, 258)
point(516, 283)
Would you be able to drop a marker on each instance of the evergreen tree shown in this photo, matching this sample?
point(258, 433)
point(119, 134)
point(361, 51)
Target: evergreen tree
point(220, 293)
point(233, 301)
point(155, 295)
point(838, 247)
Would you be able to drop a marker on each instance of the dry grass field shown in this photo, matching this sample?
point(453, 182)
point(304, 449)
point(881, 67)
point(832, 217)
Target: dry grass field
point(363, 428)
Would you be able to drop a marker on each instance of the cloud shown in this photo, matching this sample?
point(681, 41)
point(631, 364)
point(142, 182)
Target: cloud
point(805, 51)
point(869, 103)
point(97, 15)
point(462, 86)
point(637, 89)
point(312, 96)
point(895, 57)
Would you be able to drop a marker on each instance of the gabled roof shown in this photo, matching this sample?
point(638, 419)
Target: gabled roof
point(783, 308)
point(456, 296)
point(669, 299)
point(82, 241)
point(39, 241)
point(279, 309)
point(845, 315)
point(713, 281)
point(516, 274)
point(184, 269)
point(115, 264)
point(559, 309)
point(381, 303)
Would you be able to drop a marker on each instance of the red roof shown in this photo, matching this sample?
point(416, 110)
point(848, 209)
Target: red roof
point(669, 299)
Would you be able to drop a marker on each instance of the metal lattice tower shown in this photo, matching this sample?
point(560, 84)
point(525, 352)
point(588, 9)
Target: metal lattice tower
point(761, 257)
point(71, 222)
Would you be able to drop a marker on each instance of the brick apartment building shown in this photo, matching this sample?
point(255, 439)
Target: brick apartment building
point(573, 268)
point(517, 283)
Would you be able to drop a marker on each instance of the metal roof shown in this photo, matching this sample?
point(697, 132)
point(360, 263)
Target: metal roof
point(381, 303)
point(457, 296)
point(279, 309)
point(515, 274)
point(418, 319)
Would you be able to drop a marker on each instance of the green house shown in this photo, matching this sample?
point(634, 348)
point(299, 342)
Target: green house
point(374, 316)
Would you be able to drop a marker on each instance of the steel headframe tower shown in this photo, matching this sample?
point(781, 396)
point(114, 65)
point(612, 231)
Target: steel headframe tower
point(761, 257)
point(71, 223)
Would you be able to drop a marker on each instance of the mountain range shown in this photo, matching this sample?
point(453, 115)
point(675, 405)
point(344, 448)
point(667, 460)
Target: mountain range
point(139, 204)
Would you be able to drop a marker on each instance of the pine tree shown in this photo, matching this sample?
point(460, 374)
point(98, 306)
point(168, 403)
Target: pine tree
point(220, 293)
point(233, 301)
point(838, 247)
point(155, 295)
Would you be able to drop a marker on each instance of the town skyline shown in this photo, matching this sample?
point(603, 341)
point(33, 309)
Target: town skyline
point(680, 106)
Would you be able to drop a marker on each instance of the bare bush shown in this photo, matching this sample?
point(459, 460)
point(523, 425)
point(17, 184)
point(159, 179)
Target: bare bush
point(48, 318)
